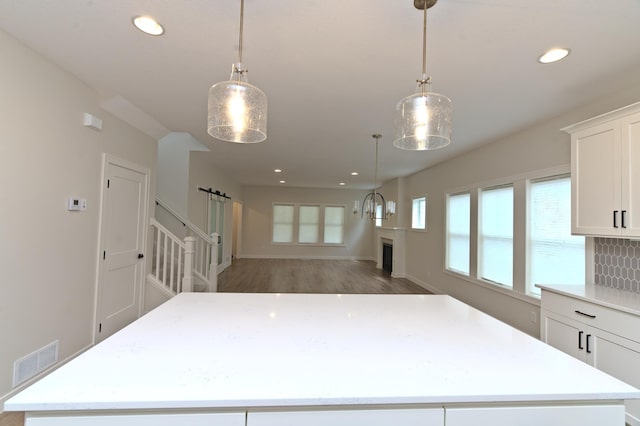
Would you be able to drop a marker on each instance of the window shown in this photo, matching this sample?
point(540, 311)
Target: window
point(495, 237)
point(555, 256)
point(512, 233)
point(419, 213)
point(283, 223)
point(458, 231)
point(308, 224)
point(378, 215)
point(333, 225)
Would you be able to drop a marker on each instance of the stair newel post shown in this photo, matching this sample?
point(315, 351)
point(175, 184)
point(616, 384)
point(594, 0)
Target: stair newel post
point(189, 250)
point(213, 264)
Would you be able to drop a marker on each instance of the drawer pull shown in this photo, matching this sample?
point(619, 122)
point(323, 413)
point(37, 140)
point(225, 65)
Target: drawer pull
point(580, 333)
point(583, 314)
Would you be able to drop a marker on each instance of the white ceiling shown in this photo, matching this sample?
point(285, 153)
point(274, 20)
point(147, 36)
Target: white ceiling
point(333, 70)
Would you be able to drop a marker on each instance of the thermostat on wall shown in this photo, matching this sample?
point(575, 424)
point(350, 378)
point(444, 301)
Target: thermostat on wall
point(77, 204)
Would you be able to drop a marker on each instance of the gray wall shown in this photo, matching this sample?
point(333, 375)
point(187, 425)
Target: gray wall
point(539, 147)
point(48, 255)
point(256, 228)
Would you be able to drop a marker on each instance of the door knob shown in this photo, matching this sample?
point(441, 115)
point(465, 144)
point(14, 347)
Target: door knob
point(140, 255)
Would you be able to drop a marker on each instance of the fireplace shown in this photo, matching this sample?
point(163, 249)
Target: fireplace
point(395, 238)
point(387, 257)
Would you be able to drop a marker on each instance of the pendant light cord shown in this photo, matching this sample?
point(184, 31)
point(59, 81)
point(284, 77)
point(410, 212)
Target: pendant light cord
point(241, 29)
point(424, 43)
point(424, 80)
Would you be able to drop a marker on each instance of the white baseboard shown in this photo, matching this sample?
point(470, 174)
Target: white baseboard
point(424, 285)
point(293, 256)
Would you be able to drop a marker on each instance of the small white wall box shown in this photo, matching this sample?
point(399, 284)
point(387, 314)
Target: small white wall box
point(90, 120)
point(77, 204)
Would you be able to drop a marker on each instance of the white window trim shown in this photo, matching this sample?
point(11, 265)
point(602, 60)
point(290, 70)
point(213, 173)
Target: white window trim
point(426, 213)
point(294, 234)
point(479, 253)
point(296, 224)
point(323, 208)
point(519, 183)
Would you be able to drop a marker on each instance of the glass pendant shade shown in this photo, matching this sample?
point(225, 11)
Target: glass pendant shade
point(237, 110)
point(423, 121)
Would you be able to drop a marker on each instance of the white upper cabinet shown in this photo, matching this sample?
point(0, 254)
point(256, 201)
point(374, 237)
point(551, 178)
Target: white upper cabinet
point(605, 174)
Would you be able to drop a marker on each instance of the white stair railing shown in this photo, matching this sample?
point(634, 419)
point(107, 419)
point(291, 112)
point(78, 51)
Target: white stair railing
point(205, 253)
point(206, 257)
point(172, 265)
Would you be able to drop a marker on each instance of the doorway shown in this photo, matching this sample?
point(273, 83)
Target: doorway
point(217, 215)
point(123, 219)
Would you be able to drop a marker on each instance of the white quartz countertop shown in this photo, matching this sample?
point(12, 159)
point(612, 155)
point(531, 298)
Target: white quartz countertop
point(218, 350)
point(626, 301)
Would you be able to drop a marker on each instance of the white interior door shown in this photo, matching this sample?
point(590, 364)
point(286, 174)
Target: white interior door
point(122, 238)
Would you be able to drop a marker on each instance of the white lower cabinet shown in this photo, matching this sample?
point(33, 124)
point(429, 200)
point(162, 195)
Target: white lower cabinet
point(164, 419)
point(596, 335)
point(537, 416)
point(381, 417)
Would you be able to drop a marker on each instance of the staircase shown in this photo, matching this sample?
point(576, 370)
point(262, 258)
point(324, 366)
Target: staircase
point(182, 265)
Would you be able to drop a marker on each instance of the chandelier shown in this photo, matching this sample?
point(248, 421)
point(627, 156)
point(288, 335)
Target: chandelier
point(423, 120)
point(237, 109)
point(374, 205)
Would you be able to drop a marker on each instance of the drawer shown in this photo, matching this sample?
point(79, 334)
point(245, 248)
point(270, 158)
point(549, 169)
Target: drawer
point(594, 315)
point(373, 417)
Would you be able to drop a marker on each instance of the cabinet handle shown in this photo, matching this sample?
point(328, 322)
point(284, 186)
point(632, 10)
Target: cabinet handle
point(583, 314)
point(580, 333)
point(623, 213)
point(615, 218)
point(588, 341)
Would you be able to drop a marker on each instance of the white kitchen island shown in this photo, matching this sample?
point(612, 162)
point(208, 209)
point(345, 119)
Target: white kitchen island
point(308, 359)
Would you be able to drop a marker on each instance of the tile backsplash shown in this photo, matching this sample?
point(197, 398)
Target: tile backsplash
point(617, 263)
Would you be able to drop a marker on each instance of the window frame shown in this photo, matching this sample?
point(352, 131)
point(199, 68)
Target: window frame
point(480, 236)
point(293, 228)
point(425, 215)
point(321, 224)
point(447, 233)
point(520, 253)
point(529, 285)
point(300, 224)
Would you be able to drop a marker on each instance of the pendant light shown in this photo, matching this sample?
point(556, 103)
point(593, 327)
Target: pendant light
point(374, 199)
point(423, 120)
point(237, 109)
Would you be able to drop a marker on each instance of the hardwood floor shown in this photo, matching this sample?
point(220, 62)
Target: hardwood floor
point(11, 419)
point(311, 276)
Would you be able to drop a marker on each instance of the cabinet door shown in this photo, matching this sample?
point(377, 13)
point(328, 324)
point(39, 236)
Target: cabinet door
point(595, 180)
point(597, 415)
point(564, 334)
point(398, 417)
point(630, 128)
point(165, 419)
point(620, 358)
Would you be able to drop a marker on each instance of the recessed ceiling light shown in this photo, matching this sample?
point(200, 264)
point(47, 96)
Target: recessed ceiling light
point(354, 173)
point(283, 181)
point(148, 25)
point(341, 183)
point(553, 55)
point(277, 170)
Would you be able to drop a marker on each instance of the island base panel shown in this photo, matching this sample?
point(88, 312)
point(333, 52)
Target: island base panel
point(598, 415)
point(164, 419)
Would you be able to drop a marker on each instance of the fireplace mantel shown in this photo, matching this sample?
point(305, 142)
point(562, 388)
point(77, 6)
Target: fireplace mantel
point(397, 237)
